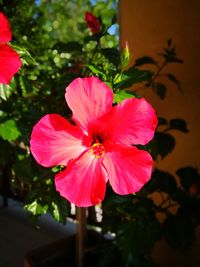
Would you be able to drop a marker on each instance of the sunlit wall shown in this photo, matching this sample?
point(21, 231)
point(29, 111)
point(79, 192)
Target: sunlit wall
point(147, 25)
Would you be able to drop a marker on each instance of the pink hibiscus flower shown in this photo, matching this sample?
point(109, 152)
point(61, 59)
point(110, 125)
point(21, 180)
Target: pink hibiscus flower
point(99, 147)
point(10, 61)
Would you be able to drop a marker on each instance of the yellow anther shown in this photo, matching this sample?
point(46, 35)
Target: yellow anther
point(97, 150)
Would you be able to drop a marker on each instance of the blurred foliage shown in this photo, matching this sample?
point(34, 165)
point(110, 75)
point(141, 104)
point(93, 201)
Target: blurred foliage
point(56, 46)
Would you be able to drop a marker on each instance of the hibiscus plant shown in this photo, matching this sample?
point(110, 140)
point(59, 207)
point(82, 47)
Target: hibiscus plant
point(75, 108)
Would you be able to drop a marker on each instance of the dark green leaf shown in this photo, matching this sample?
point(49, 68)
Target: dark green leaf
point(132, 76)
point(24, 169)
point(188, 177)
point(170, 57)
point(165, 143)
point(169, 42)
point(162, 121)
point(114, 19)
point(68, 47)
point(144, 60)
point(6, 151)
point(190, 209)
point(179, 232)
point(137, 237)
point(178, 124)
point(162, 181)
point(176, 60)
point(173, 79)
point(106, 252)
point(112, 54)
point(152, 147)
point(180, 197)
point(87, 39)
point(160, 90)
point(169, 53)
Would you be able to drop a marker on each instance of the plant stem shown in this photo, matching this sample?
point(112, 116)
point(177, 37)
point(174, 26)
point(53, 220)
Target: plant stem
point(81, 235)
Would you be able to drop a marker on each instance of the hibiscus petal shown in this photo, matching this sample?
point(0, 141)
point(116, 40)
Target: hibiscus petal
point(89, 99)
point(131, 122)
point(128, 168)
point(5, 31)
point(83, 182)
point(10, 63)
point(54, 141)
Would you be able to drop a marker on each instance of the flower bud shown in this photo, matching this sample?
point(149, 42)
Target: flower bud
point(125, 56)
point(92, 22)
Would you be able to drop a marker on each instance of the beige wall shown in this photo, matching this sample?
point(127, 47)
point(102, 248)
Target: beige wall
point(146, 25)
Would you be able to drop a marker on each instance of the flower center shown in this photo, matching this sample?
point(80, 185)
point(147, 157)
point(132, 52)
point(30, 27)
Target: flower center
point(97, 150)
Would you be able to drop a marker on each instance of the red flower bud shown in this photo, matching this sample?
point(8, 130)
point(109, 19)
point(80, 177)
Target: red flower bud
point(92, 22)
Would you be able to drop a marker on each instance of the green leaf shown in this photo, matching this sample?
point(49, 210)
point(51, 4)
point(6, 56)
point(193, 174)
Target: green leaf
point(9, 130)
point(121, 95)
point(132, 76)
point(22, 85)
point(59, 209)
point(178, 124)
point(95, 70)
point(56, 213)
point(7, 89)
point(144, 60)
point(36, 208)
point(24, 54)
point(160, 90)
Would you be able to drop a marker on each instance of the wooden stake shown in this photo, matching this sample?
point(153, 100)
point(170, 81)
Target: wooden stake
point(81, 235)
